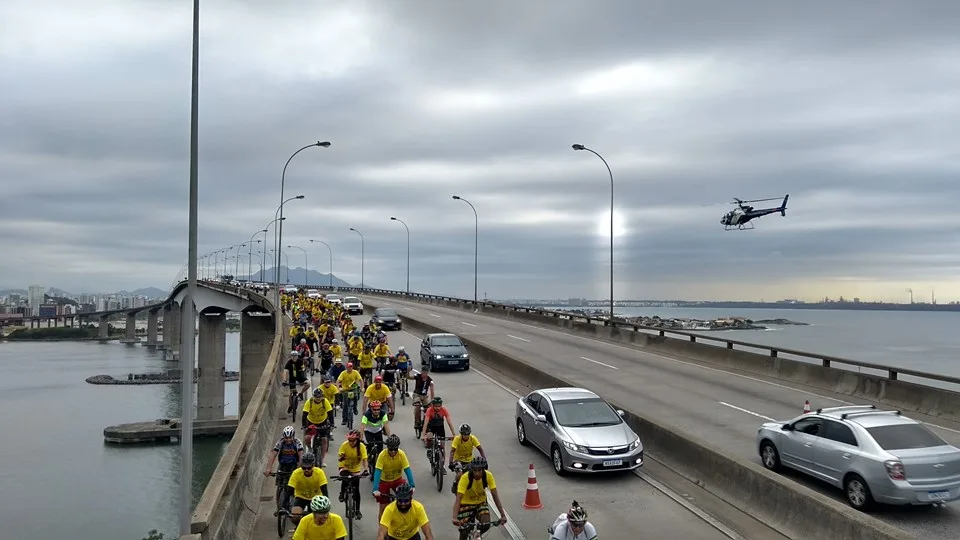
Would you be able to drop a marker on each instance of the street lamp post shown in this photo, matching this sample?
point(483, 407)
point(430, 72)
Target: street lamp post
point(236, 265)
point(263, 254)
point(408, 250)
point(582, 147)
point(283, 182)
point(476, 245)
point(331, 259)
point(362, 286)
point(277, 234)
point(306, 264)
point(250, 255)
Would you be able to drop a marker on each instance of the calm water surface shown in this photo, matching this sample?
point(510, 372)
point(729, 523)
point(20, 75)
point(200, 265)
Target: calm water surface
point(52, 424)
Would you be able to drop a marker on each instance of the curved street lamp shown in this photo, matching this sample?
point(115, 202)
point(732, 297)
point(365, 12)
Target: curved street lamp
point(306, 264)
point(408, 249)
point(476, 244)
point(278, 234)
point(331, 259)
point(362, 286)
point(582, 147)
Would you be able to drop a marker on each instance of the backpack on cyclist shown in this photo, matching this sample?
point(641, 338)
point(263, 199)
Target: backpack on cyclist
point(470, 482)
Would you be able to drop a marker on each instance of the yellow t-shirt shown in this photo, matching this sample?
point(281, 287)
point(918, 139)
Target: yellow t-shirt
point(330, 391)
point(476, 493)
point(336, 351)
point(332, 529)
point(307, 487)
point(349, 379)
point(323, 329)
point(317, 412)
point(356, 346)
point(391, 467)
point(404, 525)
point(366, 360)
point(381, 350)
point(463, 449)
point(349, 458)
point(294, 331)
point(374, 394)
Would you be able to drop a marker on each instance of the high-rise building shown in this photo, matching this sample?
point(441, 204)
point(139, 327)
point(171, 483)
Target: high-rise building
point(35, 298)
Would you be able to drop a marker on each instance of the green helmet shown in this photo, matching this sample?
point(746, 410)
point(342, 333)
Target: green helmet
point(320, 505)
point(438, 400)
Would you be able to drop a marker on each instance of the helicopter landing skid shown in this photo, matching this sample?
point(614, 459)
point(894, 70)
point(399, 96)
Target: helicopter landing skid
point(748, 226)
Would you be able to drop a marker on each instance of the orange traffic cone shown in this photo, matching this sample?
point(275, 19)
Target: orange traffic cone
point(532, 500)
point(806, 406)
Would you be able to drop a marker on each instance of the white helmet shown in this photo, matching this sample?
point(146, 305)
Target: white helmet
point(289, 432)
point(400, 349)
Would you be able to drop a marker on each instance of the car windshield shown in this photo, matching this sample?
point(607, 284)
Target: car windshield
point(332, 297)
point(352, 300)
point(589, 412)
point(445, 341)
point(904, 436)
point(386, 313)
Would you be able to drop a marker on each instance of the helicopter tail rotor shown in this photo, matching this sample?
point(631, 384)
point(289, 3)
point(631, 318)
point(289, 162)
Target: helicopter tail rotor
point(783, 207)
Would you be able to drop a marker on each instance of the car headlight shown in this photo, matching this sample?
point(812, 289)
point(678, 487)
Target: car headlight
point(439, 357)
point(398, 320)
point(464, 356)
point(635, 444)
point(575, 447)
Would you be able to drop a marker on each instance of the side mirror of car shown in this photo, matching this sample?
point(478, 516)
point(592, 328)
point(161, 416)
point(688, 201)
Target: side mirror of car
point(541, 418)
point(620, 412)
point(787, 427)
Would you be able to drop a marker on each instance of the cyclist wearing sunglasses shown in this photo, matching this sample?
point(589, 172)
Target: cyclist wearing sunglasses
point(573, 525)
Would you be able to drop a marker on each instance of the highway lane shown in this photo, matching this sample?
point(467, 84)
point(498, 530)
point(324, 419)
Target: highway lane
point(722, 407)
point(616, 503)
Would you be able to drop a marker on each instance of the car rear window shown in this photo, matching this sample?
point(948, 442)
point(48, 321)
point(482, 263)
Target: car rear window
point(905, 436)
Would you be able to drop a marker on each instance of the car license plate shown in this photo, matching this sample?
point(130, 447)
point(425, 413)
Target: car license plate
point(454, 362)
point(938, 495)
point(613, 463)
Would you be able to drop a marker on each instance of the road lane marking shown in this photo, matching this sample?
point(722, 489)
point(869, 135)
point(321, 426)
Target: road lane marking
point(758, 415)
point(510, 527)
point(468, 324)
point(409, 309)
point(435, 315)
point(601, 363)
point(520, 338)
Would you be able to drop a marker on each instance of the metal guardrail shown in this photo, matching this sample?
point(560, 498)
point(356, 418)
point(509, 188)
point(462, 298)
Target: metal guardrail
point(892, 372)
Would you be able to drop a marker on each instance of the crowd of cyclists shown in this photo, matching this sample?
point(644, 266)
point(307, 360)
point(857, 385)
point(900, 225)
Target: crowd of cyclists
point(368, 372)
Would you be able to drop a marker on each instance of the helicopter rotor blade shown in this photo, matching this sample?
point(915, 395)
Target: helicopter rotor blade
point(762, 200)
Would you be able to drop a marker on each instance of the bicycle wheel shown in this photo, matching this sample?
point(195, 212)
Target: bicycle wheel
point(439, 472)
point(281, 523)
point(295, 399)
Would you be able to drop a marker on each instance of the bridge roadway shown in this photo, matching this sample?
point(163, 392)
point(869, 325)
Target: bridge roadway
point(722, 407)
point(619, 504)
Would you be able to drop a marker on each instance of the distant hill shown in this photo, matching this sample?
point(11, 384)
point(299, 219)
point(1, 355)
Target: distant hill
point(54, 292)
point(298, 276)
point(149, 292)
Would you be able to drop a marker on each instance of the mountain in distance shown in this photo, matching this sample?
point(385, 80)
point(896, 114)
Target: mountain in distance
point(298, 276)
point(54, 292)
point(149, 292)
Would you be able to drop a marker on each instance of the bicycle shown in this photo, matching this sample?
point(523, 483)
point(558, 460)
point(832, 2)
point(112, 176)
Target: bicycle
point(282, 512)
point(349, 500)
point(374, 448)
point(402, 387)
point(418, 418)
point(436, 456)
point(316, 438)
point(294, 400)
point(349, 401)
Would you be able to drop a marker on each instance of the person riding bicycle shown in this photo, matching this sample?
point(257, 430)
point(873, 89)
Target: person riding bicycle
point(355, 346)
point(391, 467)
point(296, 374)
point(380, 353)
point(389, 375)
point(365, 333)
point(325, 525)
point(573, 525)
point(326, 357)
point(403, 362)
point(305, 483)
point(336, 369)
point(350, 382)
point(373, 425)
point(335, 349)
point(287, 453)
point(378, 392)
point(461, 452)
point(315, 421)
point(332, 393)
point(471, 503)
point(434, 419)
point(366, 363)
point(352, 461)
point(422, 388)
point(404, 518)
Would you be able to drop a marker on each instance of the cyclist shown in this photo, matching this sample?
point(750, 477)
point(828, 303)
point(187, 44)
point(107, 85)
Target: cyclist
point(392, 465)
point(352, 461)
point(378, 392)
point(287, 453)
point(471, 503)
point(326, 357)
point(366, 363)
point(461, 452)
point(573, 525)
point(403, 364)
point(349, 382)
point(296, 373)
point(332, 393)
point(434, 419)
point(305, 483)
point(336, 369)
point(405, 518)
point(335, 349)
point(315, 421)
point(373, 424)
point(325, 525)
point(381, 352)
point(389, 375)
point(422, 386)
point(355, 346)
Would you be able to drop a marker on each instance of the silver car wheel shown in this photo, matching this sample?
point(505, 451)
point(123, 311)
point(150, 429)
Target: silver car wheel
point(521, 434)
point(557, 460)
point(769, 456)
point(856, 493)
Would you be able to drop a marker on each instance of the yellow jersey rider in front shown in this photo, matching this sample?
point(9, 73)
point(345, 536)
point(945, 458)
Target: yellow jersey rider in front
point(315, 414)
point(461, 451)
point(471, 503)
point(350, 383)
point(322, 525)
point(305, 483)
point(392, 470)
point(352, 461)
point(404, 518)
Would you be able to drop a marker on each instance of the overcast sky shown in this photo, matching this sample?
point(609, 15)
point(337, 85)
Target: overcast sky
point(852, 108)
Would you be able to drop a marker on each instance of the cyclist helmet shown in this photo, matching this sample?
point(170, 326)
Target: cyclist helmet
point(327, 378)
point(375, 405)
point(303, 340)
point(403, 492)
point(289, 432)
point(317, 392)
point(378, 378)
point(438, 400)
point(334, 341)
point(308, 459)
point(354, 435)
point(393, 442)
point(400, 349)
point(465, 429)
point(478, 463)
point(576, 515)
point(294, 353)
point(320, 504)
point(349, 365)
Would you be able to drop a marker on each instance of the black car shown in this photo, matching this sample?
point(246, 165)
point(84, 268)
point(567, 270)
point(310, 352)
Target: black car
point(387, 319)
point(439, 351)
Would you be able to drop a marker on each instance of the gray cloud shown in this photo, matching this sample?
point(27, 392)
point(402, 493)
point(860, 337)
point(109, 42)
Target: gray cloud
point(850, 110)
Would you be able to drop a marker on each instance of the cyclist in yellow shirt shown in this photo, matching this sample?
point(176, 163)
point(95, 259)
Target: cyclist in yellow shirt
point(366, 363)
point(324, 525)
point(355, 347)
point(352, 461)
point(305, 483)
point(378, 392)
point(335, 349)
point(315, 422)
point(381, 352)
point(471, 504)
point(350, 383)
point(404, 518)
point(391, 468)
point(461, 452)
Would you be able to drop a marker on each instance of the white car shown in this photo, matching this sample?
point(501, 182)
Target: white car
point(291, 289)
point(334, 299)
point(313, 293)
point(353, 305)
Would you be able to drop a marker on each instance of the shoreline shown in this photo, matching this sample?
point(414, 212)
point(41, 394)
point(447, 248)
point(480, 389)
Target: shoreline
point(718, 324)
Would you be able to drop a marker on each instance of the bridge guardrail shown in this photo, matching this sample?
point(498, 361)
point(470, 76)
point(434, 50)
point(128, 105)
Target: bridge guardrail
point(892, 372)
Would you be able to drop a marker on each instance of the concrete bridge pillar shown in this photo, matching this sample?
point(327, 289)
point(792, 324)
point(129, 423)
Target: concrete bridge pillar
point(104, 327)
point(212, 363)
point(171, 327)
point(152, 324)
point(131, 328)
point(256, 340)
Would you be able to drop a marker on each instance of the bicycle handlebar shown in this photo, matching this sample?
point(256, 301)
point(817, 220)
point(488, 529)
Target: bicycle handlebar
point(342, 478)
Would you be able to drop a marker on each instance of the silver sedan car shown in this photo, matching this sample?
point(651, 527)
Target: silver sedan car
point(872, 455)
point(578, 430)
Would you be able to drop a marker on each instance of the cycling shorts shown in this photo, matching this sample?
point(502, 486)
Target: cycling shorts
point(386, 487)
point(300, 378)
point(438, 430)
point(321, 430)
point(472, 512)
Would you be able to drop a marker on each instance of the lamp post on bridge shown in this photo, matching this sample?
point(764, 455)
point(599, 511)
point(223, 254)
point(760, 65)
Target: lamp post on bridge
point(277, 234)
point(582, 147)
point(250, 254)
point(263, 262)
point(400, 221)
point(331, 259)
point(476, 245)
point(361, 257)
point(306, 264)
point(286, 259)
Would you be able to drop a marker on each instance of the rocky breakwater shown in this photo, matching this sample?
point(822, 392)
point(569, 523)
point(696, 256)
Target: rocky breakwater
point(170, 376)
point(689, 324)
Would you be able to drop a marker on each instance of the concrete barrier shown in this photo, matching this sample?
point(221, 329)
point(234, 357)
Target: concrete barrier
point(889, 390)
point(226, 509)
point(791, 508)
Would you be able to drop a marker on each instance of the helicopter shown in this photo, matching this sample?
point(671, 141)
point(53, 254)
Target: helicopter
point(740, 217)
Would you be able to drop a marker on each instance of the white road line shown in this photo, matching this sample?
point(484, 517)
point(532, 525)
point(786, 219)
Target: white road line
point(520, 338)
point(409, 309)
point(746, 411)
point(601, 363)
point(510, 527)
point(713, 522)
point(468, 324)
point(435, 315)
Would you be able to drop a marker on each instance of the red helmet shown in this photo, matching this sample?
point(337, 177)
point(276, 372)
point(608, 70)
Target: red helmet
point(349, 365)
point(378, 378)
point(353, 435)
point(375, 404)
